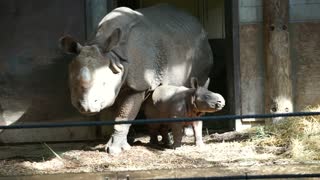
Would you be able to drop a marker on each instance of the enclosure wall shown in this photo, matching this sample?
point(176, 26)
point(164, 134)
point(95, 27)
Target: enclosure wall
point(34, 72)
point(304, 28)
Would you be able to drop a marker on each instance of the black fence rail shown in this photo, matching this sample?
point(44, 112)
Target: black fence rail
point(171, 120)
point(247, 176)
point(162, 120)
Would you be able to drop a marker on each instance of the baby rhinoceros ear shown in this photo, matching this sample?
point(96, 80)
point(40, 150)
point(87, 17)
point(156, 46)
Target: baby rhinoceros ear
point(69, 45)
point(206, 85)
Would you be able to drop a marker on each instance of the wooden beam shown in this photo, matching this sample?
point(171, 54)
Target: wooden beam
point(278, 84)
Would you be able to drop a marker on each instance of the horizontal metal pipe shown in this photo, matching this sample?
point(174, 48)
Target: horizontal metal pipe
point(149, 121)
point(271, 176)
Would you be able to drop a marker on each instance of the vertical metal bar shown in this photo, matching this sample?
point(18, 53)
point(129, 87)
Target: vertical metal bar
point(95, 10)
point(85, 19)
point(233, 57)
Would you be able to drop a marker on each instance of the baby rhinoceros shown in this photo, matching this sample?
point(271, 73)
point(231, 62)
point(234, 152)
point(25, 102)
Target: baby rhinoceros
point(169, 101)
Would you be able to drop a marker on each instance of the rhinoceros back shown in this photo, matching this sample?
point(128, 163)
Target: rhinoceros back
point(166, 46)
point(185, 44)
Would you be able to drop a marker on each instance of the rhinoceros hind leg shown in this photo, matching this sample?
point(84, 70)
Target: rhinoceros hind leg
point(154, 140)
point(153, 133)
point(167, 139)
point(177, 133)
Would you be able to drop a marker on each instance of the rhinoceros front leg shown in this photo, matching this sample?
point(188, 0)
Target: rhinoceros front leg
point(127, 108)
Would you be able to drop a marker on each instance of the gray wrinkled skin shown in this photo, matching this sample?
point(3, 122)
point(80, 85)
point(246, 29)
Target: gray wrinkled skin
point(132, 53)
point(169, 101)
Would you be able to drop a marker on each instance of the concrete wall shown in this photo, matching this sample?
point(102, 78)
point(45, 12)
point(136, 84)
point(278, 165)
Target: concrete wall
point(304, 30)
point(33, 71)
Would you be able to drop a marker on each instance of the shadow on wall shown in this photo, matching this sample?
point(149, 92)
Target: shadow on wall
point(33, 71)
point(37, 95)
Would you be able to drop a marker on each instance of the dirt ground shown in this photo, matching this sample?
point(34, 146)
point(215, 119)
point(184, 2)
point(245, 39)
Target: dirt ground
point(35, 159)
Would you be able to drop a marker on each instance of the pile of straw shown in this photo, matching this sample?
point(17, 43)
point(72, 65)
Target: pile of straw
point(300, 136)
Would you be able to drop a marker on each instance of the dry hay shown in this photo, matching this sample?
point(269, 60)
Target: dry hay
point(142, 157)
point(300, 136)
point(292, 141)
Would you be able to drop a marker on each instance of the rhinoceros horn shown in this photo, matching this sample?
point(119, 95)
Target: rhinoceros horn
point(85, 77)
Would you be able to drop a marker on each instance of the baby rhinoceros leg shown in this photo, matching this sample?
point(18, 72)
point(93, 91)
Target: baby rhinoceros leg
point(197, 129)
point(203, 101)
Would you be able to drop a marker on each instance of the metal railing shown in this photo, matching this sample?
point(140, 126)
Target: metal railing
point(247, 176)
point(162, 120)
point(171, 120)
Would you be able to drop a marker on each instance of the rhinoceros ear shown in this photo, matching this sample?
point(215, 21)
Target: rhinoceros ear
point(194, 83)
point(113, 40)
point(69, 45)
point(206, 85)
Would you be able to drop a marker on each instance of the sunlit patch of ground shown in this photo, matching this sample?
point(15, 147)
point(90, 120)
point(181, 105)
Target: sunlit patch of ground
point(140, 157)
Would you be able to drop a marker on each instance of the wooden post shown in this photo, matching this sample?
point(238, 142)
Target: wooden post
point(278, 84)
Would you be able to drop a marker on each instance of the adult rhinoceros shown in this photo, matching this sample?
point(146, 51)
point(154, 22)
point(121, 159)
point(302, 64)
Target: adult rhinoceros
point(133, 52)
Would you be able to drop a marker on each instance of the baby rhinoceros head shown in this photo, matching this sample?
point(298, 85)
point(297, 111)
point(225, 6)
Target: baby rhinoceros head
point(205, 100)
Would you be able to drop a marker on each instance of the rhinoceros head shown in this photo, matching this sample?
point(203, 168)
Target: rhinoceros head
point(205, 100)
point(96, 75)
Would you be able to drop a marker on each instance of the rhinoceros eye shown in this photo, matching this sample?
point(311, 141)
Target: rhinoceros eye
point(206, 97)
